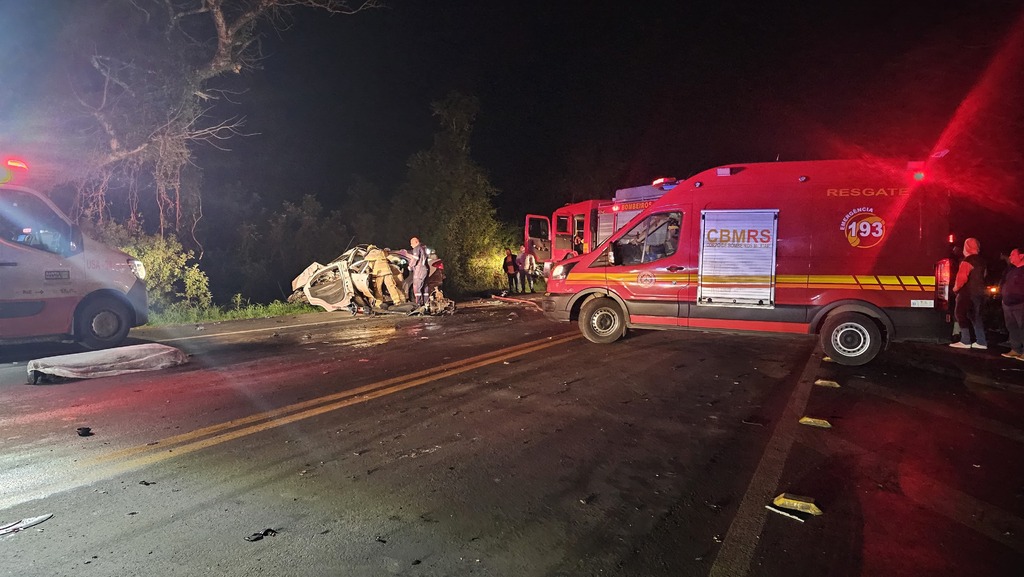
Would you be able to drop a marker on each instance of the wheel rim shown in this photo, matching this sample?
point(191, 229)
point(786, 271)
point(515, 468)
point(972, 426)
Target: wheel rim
point(105, 324)
point(604, 322)
point(851, 339)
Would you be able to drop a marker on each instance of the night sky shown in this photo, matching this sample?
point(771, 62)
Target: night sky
point(580, 98)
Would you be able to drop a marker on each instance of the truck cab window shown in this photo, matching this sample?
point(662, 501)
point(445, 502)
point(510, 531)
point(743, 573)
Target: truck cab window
point(651, 239)
point(26, 220)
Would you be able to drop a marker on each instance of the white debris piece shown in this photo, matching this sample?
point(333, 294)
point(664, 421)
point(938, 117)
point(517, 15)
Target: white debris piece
point(109, 362)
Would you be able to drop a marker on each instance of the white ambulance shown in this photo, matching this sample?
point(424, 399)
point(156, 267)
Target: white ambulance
point(56, 284)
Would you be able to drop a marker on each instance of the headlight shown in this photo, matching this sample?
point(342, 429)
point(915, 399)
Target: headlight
point(561, 271)
point(138, 268)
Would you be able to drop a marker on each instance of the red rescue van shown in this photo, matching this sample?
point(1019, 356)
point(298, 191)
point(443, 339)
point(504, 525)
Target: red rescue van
point(852, 250)
point(577, 228)
point(56, 284)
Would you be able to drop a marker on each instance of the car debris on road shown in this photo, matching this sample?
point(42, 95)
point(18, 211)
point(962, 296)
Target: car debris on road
point(345, 283)
point(23, 524)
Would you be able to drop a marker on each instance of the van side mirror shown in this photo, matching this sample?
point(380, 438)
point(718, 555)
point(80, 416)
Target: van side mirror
point(76, 241)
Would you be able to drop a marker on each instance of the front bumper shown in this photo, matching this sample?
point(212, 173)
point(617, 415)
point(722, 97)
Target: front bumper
point(140, 303)
point(556, 307)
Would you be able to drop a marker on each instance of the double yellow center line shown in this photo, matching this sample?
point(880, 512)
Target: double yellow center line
point(136, 457)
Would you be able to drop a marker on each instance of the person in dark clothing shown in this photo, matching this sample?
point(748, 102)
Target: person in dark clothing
point(1012, 290)
point(420, 271)
point(511, 269)
point(970, 294)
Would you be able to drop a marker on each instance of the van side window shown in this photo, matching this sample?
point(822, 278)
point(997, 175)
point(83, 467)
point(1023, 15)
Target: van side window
point(651, 239)
point(26, 220)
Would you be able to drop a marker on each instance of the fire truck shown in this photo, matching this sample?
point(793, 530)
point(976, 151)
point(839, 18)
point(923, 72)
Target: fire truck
point(578, 228)
point(854, 251)
point(56, 283)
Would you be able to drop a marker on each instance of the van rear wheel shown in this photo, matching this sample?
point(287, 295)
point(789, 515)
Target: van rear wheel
point(102, 323)
point(602, 320)
point(851, 339)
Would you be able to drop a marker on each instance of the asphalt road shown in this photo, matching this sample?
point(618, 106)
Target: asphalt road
point(494, 442)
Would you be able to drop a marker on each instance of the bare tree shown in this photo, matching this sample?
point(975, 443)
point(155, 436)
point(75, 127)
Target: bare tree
point(157, 83)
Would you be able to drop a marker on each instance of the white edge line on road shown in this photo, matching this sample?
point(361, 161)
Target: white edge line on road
point(740, 541)
point(277, 328)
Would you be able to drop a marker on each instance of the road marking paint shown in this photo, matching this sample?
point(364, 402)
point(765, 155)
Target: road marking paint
point(103, 467)
point(214, 434)
point(232, 333)
point(737, 550)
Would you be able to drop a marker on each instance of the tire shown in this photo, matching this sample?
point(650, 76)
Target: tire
point(602, 321)
point(851, 339)
point(102, 323)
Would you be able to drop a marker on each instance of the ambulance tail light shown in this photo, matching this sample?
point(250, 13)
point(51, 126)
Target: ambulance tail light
point(943, 272)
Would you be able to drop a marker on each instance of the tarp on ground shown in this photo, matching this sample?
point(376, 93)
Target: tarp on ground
point(109, 362)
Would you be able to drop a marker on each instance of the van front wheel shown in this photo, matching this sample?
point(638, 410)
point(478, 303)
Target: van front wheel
point(851, 339)
point(602, 321)
point(102, 323)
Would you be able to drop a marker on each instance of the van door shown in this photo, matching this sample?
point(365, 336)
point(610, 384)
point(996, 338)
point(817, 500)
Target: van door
point(538, 236)
point(36, 293)
point(37, 296)
point(648, 269)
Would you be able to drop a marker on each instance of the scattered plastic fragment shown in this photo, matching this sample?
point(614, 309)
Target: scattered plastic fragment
point(822, 423)
point(826, 359)
point(147, 483)
point(826, 383)
point(797, 503)
point(264, 533)
point(23, 524)
point(84, 431)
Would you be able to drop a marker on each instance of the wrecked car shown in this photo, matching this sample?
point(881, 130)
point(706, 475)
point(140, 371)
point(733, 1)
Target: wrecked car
point(346, 283)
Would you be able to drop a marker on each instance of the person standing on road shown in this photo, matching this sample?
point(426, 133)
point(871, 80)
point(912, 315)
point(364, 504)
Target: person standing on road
point(420, 271)
point(1013, 304)
point(526, 263)
point(511, 269)
point(970, 294)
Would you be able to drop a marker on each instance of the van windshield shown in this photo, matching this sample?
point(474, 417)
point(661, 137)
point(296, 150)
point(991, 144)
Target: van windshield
point(651, 239)
point(28, 221)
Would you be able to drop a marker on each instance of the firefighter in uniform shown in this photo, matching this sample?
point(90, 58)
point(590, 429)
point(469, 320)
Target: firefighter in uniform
point(383, 276)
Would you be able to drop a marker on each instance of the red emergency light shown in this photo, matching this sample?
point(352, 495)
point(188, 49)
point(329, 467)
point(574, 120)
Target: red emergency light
point(15, 163)
point(665, 183)
point(615, 208)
